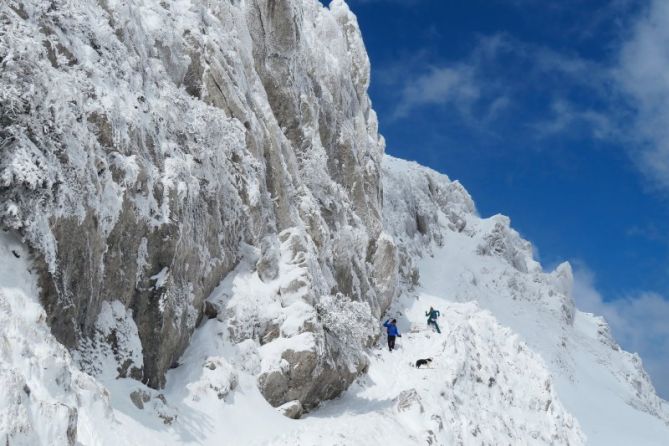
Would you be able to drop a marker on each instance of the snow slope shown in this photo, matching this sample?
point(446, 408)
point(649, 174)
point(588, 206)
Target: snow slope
point(604, 387)
point(214, 394)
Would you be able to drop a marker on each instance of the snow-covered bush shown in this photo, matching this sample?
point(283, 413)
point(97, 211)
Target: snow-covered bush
point(350, 323)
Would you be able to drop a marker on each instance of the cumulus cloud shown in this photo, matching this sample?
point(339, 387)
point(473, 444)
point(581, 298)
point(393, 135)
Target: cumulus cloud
point(639, 323)
point(643, 74)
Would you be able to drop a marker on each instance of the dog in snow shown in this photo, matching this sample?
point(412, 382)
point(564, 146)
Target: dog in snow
point(426, 362)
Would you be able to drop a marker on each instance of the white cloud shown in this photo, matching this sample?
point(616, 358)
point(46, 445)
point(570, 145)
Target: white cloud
point(626, 97)
point(440, 86)
point(639, 323)
point(466, 87)
point(623, 100)
point(643, 74)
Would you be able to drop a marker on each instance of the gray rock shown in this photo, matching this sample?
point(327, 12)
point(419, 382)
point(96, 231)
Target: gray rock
point(292, 409)
point(72, 420)
point(386, 273)
point(268, 265)
point(139, 398)
point(211, 310)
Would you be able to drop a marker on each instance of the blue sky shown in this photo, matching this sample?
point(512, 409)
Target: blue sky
point(553, 113)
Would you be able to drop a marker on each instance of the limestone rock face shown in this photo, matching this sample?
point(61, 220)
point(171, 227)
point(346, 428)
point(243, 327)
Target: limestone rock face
point(149, 147)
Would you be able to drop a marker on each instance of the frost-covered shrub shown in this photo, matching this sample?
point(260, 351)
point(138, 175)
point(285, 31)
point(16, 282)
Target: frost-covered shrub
point(217, 378)
point(350, 323)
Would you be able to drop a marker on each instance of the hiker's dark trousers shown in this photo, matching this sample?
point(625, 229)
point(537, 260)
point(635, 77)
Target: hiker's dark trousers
point(391, 343)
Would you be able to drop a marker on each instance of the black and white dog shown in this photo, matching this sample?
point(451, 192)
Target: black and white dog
point(426, 362)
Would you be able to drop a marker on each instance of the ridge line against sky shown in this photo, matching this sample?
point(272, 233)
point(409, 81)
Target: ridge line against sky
point(554, 113)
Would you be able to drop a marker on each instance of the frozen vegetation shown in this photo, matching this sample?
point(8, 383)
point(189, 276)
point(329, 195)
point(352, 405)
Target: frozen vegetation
point(201, 236)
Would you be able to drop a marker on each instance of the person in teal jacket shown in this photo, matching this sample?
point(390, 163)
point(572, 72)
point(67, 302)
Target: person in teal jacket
point(432, 316)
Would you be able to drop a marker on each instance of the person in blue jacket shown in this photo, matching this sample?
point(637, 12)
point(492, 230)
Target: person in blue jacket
point(393, 332)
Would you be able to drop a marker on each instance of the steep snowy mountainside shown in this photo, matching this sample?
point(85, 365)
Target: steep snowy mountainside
point(487, 382)
point(485, 261)
point(144, 144)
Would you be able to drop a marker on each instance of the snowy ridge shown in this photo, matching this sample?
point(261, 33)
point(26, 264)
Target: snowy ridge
point(486, 261)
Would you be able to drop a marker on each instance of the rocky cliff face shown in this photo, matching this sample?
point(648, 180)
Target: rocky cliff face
point(144, 144)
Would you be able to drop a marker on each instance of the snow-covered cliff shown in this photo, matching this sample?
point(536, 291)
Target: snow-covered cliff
point(150, 148)
point(199, 227)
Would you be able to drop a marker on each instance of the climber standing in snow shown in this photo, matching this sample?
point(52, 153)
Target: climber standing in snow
point(393, 332)
point(432, 316)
